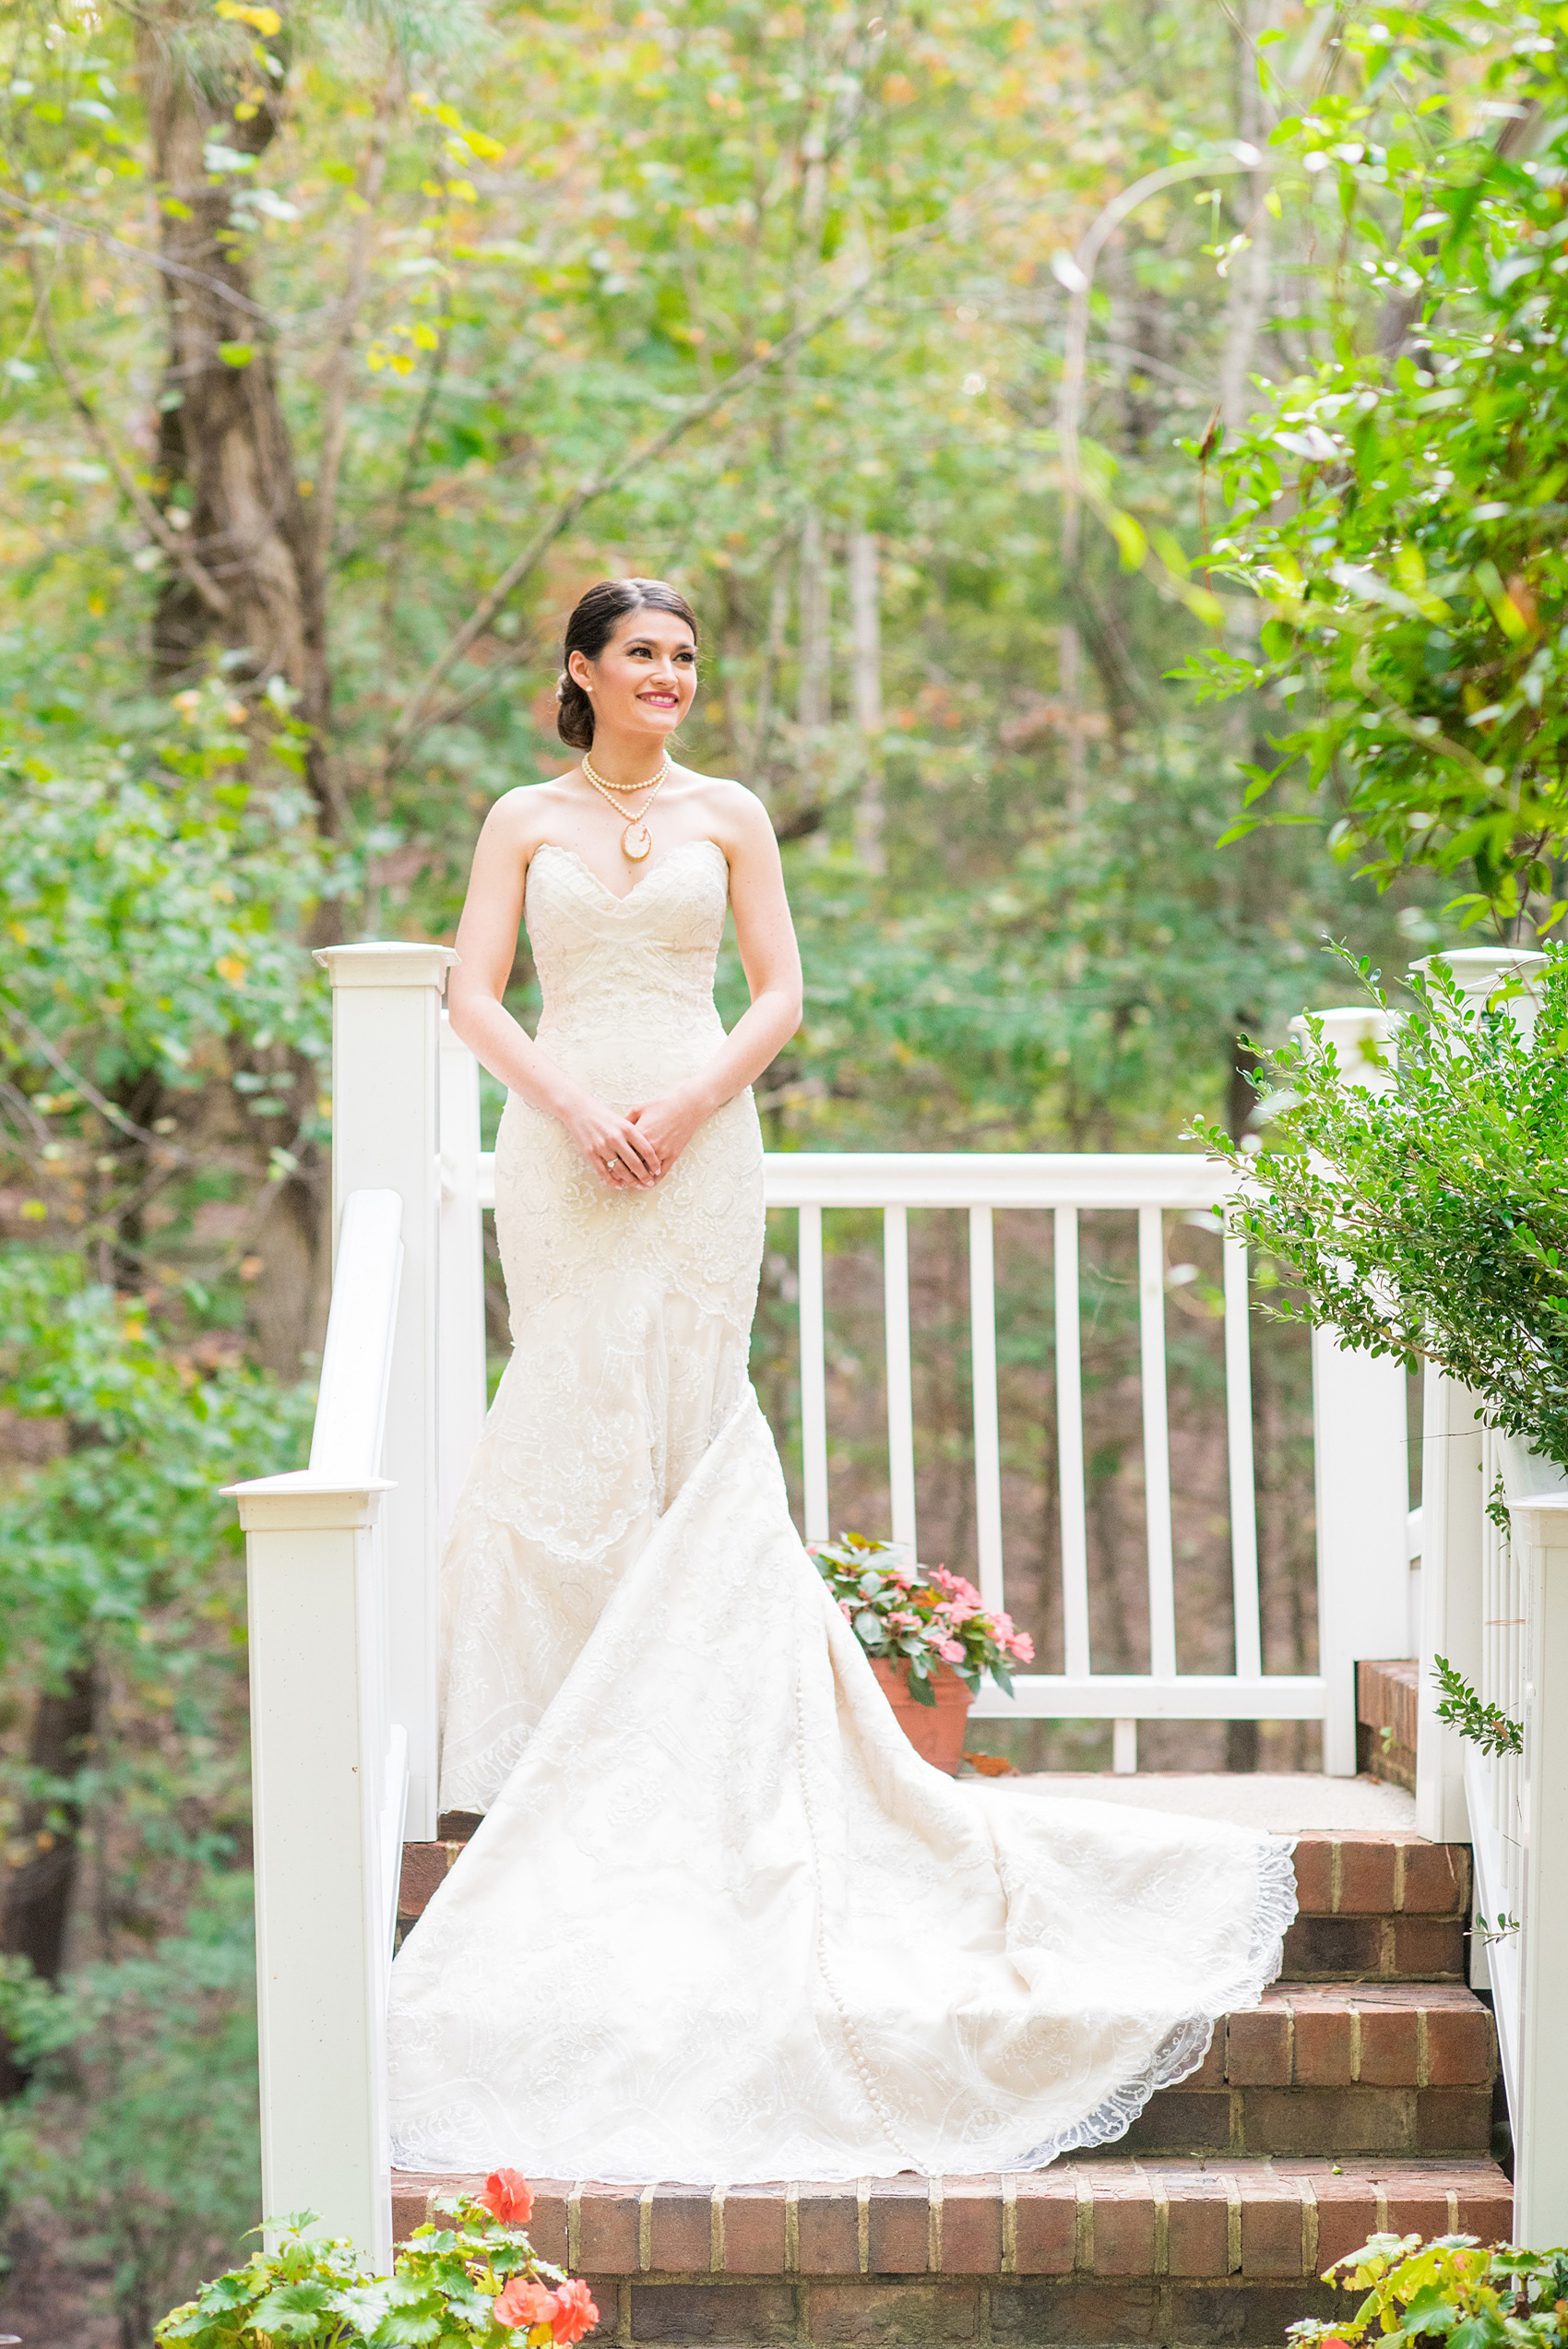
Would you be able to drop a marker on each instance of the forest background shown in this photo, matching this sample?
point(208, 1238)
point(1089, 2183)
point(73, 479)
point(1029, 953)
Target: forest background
point(339, 347)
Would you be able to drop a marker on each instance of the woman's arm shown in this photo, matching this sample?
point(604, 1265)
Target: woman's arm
point(771, 961)
point(487, 941)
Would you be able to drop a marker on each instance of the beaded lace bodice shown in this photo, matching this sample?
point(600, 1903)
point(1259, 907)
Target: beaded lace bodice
point(629, 979)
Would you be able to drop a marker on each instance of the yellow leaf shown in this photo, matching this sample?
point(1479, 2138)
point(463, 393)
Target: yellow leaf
point(1130, 540)
point(267, 21)
point(231, 967)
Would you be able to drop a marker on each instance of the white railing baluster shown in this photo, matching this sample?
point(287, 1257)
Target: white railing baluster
point(1238, 1445)
point(1450, 1610)
point(988, 1433)
point(1532, 1640)
point(460, 1382)
point(1157, 1443)
point(1070, 1450)
point(813, 1377)
point(900, 1391)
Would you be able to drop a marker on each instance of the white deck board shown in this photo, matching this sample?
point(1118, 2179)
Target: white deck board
point(1286, 1803)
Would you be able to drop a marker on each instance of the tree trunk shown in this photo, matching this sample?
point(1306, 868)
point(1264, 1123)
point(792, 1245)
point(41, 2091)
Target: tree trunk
point(1070, 692)
point(223, 434)
point(813, 703)
point(223, 439)
point(865, 609)
point(35, 1906)
point(1251, 283)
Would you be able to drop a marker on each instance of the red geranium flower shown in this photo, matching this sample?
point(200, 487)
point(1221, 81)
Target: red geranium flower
point(509, 2197)
point(525, 2302)
point(575, 2312)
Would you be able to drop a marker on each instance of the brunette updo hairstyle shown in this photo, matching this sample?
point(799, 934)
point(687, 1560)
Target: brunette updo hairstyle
point(590, 628)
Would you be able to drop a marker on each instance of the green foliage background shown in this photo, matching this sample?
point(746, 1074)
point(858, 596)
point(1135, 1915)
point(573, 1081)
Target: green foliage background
point(518, 254)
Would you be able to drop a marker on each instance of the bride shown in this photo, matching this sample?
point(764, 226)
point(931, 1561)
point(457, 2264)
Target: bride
point(719, 1924)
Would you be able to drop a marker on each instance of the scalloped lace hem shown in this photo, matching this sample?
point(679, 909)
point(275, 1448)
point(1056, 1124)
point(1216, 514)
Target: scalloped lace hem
point(1182, 2051)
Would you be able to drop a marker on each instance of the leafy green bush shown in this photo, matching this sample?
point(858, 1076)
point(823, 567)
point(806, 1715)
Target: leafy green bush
point(1451, 2289)
point(1431, 1222)
point(119, 1559)
point(141, 2124)
point(1398, 514)
point(475, 2284)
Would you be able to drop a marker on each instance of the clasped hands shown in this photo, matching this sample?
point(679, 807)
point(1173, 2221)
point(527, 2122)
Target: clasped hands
point(633, 1152)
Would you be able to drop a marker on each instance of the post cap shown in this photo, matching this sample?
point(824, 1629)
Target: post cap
point(301, 1502)
point(386, 962)
point(1482, 969)
point(1359, 1032)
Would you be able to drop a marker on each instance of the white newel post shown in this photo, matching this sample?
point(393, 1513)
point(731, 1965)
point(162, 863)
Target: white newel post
point(386, 1136)
point(1360, 1445)
point(318, 1742)
point(1452, 1500)
point(1541, 2122)
point(460, 1347)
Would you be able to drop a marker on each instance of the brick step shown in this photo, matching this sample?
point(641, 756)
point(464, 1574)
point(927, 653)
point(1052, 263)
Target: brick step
point(1379, 1906)
point(1387, 1698)
point(1097, 2249)
point(1337, 2070)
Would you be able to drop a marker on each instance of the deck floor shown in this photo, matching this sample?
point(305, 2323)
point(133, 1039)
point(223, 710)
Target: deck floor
point(1286, 1803)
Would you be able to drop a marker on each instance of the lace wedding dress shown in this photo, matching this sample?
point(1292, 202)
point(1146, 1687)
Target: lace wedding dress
point(719, 1924)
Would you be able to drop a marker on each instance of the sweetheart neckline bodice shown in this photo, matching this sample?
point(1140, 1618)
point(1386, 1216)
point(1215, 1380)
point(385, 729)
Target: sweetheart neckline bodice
point(614, 895)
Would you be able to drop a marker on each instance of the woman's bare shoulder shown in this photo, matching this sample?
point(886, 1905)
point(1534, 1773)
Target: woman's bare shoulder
point(734, 811)
point(522, 813)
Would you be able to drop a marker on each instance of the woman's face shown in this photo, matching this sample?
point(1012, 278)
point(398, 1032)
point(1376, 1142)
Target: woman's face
point(645, 678)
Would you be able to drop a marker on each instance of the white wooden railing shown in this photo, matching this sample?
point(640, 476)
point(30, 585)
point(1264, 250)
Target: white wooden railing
point(1361, 1474)
point(344, 1587)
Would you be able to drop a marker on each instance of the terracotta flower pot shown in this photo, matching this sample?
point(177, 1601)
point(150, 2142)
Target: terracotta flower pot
point(936, 1732)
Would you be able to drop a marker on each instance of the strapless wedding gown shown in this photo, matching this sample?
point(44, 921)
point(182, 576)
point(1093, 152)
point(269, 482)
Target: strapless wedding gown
point(719, 1924)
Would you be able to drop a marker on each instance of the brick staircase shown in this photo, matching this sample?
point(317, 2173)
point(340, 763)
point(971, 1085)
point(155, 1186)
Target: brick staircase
point(1359, 2097)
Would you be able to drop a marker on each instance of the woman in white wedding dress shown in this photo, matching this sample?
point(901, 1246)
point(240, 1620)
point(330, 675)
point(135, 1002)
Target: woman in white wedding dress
point(719, 1923)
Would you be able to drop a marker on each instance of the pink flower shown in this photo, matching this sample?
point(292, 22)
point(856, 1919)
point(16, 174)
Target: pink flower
point(1023, 1647)
point(526, 2302)
point(575, 2312)
point(509, 2197)
point(950, 1651)
point(846, 1610)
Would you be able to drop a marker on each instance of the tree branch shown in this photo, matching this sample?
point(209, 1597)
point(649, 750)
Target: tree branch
point(147, 513)
point(340, 360)
point(87, 232)
point(412, 720)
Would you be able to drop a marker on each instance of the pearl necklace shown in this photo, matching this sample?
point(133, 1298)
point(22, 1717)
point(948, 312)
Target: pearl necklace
point(636, 840)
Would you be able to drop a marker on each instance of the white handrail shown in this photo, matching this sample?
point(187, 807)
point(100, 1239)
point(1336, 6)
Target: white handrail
point(356, 1362)
point(977, 1178)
